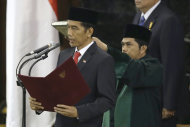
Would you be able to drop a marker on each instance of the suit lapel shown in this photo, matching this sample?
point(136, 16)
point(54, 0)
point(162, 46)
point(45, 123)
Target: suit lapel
point(87, 56)
point(65, 55)
point(154, 16)
point(149, 24)
point(137, 18)
point(151, 19)
point(70, 53)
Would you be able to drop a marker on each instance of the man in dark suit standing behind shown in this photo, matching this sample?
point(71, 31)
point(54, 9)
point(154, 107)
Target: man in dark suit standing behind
point(97, 68)
point(167, 45)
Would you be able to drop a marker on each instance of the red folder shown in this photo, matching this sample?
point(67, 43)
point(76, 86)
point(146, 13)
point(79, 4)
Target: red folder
point(65, 85)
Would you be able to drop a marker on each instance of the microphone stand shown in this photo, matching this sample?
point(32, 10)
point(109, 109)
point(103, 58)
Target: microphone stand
point(19, 83)
point(43, 55)
point(42, 58)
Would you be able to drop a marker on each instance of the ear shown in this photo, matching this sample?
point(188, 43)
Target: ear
point(143, 49)
point(90, 31)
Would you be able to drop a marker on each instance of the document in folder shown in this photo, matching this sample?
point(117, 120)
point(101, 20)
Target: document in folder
point(65, 85)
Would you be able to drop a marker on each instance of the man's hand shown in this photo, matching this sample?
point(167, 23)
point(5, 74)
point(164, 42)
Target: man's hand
point(100, 44)
point(35, 105)
point(167, 113)
point(69, 111)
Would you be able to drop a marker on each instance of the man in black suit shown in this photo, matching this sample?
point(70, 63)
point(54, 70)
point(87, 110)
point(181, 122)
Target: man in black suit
point(167, 45)
point(97, 68)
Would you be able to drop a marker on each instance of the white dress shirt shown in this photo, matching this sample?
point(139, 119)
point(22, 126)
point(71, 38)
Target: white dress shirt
point(83, 50)
point(148, 13)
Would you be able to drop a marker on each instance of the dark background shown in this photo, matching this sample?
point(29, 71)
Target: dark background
point(2, 49)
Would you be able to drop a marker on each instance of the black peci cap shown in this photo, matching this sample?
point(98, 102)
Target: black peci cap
point(83, 15)
point(138, 32)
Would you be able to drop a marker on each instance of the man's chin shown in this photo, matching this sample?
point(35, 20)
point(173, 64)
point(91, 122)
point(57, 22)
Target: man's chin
point(138, 6)
point(72, 45)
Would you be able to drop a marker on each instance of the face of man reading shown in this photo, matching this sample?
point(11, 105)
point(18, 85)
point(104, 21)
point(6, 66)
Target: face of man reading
point(78, 36)
point(145, 5)
point(131, 47)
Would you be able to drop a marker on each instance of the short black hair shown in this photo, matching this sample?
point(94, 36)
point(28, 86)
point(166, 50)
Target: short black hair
point(141, 43)
point(87, 25)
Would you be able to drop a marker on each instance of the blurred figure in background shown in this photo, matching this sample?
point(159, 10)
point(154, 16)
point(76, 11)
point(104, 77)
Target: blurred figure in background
point(166, 44)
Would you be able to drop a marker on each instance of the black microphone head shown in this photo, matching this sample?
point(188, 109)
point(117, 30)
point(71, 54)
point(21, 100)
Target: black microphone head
point(54, 45)
point(39, 49)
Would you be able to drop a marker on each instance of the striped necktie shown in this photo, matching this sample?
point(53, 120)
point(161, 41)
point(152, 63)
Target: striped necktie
point(142, 21)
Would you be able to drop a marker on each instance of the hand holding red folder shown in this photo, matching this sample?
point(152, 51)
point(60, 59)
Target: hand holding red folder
point(65, 85)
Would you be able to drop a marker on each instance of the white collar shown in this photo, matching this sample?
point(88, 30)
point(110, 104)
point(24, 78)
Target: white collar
point(83, 50)
point(147, 14)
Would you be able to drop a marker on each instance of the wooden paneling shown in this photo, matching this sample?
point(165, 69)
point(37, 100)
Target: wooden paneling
point(2, 49)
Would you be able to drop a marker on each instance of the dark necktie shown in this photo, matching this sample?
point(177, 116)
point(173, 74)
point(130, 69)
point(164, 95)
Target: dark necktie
point(76, 56)
point(142, 20)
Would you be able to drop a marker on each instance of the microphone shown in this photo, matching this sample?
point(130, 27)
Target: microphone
point(55, 45)
point(39, 49)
